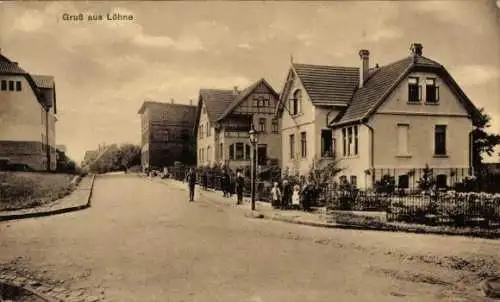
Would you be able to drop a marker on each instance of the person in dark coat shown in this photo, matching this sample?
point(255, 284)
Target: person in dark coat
point(191, 180)
point(205, 180)
point(225, 184)
point(306, 195)
point(240, 183)
point(287, 195)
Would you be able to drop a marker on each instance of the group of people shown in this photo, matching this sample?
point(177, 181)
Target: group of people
point(288, 196)
point(229, 186)
point(284, 196)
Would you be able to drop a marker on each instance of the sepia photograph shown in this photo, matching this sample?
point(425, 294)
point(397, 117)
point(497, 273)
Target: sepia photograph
point(250, 151)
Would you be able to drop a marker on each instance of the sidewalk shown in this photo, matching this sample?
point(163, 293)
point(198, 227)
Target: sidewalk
point(79, 199)
point(263, 210)
point(370, 221)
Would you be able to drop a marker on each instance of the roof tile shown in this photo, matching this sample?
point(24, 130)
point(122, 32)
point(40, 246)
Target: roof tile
point(325, 84)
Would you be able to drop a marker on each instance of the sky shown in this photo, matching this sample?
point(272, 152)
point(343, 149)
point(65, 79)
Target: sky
point(104, 70)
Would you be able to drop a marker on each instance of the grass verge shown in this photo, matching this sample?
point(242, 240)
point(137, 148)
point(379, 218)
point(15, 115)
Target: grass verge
point(21, 190)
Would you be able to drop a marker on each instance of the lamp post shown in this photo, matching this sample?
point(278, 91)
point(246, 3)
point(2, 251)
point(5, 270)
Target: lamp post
point(253, 140)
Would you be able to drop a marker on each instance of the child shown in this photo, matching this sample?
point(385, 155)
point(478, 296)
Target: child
point(276, 195)
point(296, 196)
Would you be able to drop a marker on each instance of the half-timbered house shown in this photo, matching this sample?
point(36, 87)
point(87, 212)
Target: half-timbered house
point(223, 122)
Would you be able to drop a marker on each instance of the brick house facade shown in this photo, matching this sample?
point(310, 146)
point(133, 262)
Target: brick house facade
point(166, 134)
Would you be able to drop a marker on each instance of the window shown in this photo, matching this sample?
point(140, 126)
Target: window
point(275, 126)
point(354, 181)
point(262, 154)
point(292, 146)
point(4, 85)
point(18, 85)
point(441, 181)
point(11, 85)
point(350, 141)
point(355, 140)
point(165, 136)
point(209, 153)
point(344, 140)
point(231, 152)
point(403, 130)
point(202, 155)
point(431, 91)
point(247, 152)
point(221, 151)
point(262, 125)
point(201, 131)
point(440, 140)
point(326, 143)
point(303, 144)
point(239, 151)
point(209, 130)
point(413, 90)
point(164, 116)
point(295, 102)
point(343, 180)
point(403, 181)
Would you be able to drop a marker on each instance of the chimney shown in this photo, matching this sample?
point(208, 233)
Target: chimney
point(172, 100)
point(416, 49)
point(365, 64)
point(235, 90)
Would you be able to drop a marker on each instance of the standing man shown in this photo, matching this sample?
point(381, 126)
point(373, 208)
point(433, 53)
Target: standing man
point(191, 180)
point(225, 183)
point(240, 182)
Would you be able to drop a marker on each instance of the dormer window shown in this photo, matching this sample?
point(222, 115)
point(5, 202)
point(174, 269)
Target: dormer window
point(4, 85)
point(18, 85)
point(11, 85)
point(431, 91)
point(295, 102)
point(414, 91)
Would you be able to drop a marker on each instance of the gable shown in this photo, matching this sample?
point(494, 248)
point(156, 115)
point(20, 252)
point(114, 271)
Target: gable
point(381, 84)
point(260, 87)
point(261, 100)
point(292, 84)
point(448, 104)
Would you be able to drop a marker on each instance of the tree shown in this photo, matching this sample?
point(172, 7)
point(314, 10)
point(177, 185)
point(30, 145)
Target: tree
point(483, 142)
point(130, 155)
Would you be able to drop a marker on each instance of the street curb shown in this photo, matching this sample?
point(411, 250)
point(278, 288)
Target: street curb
point(368, 228)
point(52, 212)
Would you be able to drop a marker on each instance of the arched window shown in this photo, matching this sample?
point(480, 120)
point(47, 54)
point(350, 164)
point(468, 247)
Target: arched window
point(295, 102)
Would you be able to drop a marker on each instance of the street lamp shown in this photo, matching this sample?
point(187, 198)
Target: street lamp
point(253, 140)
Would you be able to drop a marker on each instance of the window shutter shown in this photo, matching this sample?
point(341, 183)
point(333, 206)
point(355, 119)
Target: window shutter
point(419, 93)
point(437, 94)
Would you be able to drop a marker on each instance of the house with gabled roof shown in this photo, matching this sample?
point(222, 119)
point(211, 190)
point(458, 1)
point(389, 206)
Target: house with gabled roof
point(393, 120)
point(223, 122)
point(27, 117)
